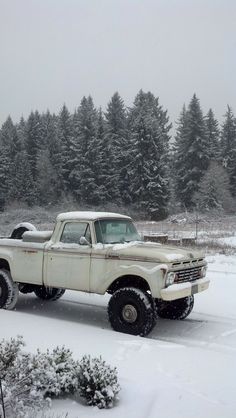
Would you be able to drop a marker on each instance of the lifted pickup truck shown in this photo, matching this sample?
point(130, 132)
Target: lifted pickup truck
point(103, 253)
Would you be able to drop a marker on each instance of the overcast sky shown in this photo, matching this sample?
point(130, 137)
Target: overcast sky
point(56, 51)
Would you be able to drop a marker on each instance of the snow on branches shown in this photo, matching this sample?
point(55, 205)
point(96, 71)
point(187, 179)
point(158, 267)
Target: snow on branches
point(29, 381)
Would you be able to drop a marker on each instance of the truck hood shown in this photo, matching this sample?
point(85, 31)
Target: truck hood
point(153, 252)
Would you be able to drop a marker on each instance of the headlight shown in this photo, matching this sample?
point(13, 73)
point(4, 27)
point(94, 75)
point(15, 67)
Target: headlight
point(203, 271)
point(170, 278)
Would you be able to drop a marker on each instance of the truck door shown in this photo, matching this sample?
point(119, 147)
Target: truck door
point(67, 263)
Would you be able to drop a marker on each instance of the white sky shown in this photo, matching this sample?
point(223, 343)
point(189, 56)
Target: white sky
point(56, 51)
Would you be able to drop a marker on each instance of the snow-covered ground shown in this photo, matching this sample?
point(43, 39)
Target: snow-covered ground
point(183, 369)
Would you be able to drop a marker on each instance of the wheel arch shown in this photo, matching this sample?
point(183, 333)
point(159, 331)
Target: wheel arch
point(4, 264)
point(128, 280)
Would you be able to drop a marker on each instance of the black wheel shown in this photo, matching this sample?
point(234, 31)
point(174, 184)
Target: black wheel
point(8, 290)
point(48, 293)
point(175, 309)
point(131, 312)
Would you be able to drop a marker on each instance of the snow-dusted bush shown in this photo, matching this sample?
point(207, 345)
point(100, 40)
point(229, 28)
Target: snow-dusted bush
point(97, 382)
point(61, 376)
point(20, 377)
point(29, 380)
point(9, 351)
point(21, 400)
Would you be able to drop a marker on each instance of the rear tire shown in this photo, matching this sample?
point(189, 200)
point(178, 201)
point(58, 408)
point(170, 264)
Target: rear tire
point(175, 309)
point(131, 312)
point(48, 293)
point(8, 290)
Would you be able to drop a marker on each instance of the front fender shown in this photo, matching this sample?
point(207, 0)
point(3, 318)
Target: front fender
point(153, 275)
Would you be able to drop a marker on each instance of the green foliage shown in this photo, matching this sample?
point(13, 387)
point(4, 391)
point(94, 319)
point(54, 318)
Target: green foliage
point(191, 153)
point(29, 380)
point(214, 190)
point(98, 382)
point(118, 157)
point(228, 146)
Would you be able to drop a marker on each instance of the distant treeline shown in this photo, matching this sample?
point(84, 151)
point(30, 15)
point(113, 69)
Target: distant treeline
point(123, 156)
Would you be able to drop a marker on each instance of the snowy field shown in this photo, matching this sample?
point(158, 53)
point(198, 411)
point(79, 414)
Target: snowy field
point(183, 369)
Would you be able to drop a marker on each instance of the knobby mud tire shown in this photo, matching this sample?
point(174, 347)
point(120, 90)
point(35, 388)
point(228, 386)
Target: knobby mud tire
point(140, 306)
point(175, 309)
point(9, 290)
point(48, 293)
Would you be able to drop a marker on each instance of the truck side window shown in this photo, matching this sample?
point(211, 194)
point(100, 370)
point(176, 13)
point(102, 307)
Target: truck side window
point(73, 231)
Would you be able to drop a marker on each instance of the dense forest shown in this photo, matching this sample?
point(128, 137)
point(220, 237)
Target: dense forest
point(125, 156)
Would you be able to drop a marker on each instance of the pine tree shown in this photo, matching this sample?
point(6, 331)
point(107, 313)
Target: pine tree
point(102, 164)
point(24, 189)
point(191, 153)
point(50, 148)
point(214, 189)
point(116, 137)
point(65, 130)
point(9, 147)
point(179, 149)
point(212, 136)
point(149, 143)
point(228, 146)
point(84, 150)
point(33, 138)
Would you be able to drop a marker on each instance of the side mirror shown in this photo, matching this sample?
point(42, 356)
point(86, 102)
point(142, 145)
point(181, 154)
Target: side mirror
point(84, 241)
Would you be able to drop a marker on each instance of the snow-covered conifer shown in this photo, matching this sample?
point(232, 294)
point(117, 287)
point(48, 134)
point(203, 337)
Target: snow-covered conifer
point(149, 147)
point(64, 132)
point(191, 154)
point(228, 146)
point(97, 382)
point(214, 190)
point(84, 152)
point(116, 137)
point(212, 136)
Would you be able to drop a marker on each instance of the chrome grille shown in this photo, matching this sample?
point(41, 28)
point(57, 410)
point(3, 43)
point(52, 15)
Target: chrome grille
point(188, 275)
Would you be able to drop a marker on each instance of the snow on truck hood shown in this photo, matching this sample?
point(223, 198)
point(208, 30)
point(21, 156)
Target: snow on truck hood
point(150, 251)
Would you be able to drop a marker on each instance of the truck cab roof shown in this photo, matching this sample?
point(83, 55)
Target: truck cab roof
point(89, 216)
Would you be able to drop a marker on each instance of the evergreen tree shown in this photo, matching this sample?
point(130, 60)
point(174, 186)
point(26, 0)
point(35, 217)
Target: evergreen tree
point(23, 189)
point(64, 134)
point(4, 169)
point(228, 146)
point(116, 137)
point(178, 151)
point(21, 132)
point(148, 149)
point(50, 148)
point(212, 136)
point(102, 164)
point(9, 147)
point(84, 150)
point(214, 189)
point(191, 152)
point(33, 137)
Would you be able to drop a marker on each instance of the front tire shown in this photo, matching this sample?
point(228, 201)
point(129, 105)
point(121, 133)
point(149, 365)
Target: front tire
point(131, 312)
point(48, 293)
point(175, 309)
point(8, 290)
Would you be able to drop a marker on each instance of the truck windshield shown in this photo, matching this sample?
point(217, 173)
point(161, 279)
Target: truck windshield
point(114, 231)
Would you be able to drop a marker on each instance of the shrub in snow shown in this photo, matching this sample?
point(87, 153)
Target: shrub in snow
point(62, 372)
point(97, 382)
point(20, 378)
point(20, 400)
point(9, 351)
point(29, 379)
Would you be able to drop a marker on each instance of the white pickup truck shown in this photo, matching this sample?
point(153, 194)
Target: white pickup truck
point(100, 252)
